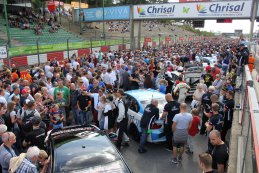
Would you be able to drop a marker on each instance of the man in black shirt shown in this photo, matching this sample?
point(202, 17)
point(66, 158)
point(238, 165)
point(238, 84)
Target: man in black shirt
point(84, 104)
point(151, 113)
point(208, 79)
point(134, 79)
point(220, 153)
point(206, 105)
point(37, 136)
point(170, 110)
point(228, 114)
point(205, 163)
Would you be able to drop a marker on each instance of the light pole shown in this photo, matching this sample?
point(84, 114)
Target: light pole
point(80, 16)
point(7, 25)
point(59, 12)
point(103, 22)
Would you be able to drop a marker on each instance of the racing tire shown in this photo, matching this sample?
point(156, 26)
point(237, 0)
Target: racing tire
point(134, 132)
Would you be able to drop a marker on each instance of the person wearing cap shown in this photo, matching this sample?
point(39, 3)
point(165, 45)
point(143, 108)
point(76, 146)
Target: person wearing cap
point(25, 94)
point(37, 136)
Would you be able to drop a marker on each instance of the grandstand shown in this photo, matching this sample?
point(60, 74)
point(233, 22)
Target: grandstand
point(26, 37)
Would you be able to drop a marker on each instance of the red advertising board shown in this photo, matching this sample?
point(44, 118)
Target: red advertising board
point(181, 38)
point(148, 39)
point(167, 38)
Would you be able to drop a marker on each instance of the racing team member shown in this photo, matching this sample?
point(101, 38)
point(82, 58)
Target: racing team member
point(181, 88)
point(170, 110)
point(151, 113)
point(206, 105)
point(122, 120)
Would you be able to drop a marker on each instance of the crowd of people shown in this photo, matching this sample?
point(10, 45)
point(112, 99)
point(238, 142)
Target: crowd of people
point(28, 19)
point(90, 90)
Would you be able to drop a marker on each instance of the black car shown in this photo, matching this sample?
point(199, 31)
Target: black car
point(83, 149)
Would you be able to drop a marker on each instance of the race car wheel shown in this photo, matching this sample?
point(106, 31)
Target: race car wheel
point(134, 132)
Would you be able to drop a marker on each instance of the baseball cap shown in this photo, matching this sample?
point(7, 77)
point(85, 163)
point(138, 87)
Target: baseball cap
point(3, 128)
point(36, 120)
point(24, 91)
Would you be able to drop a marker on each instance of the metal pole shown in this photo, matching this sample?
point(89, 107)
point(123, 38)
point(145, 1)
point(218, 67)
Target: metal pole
point(159, 39)
point(91, 45)
point(59, 12)
point(68, 48)
point(132, 43)
point(8, 57)
point(139, 33)
point(80, 16)
point(254, 11)
point(7, 25)
point(103, 22)
point(38, 52)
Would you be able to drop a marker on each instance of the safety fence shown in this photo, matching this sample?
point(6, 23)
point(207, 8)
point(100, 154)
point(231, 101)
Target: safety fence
point(247, 129)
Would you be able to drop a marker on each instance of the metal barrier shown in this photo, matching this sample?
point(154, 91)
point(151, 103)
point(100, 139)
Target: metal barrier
point(248, 141)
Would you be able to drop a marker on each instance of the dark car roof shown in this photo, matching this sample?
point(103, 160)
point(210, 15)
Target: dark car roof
point(86, 151)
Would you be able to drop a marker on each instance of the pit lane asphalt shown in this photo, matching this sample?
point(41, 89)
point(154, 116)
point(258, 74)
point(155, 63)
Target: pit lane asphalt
point(157, 158)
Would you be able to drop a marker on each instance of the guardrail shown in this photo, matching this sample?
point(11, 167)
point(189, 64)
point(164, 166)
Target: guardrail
point(248, 135)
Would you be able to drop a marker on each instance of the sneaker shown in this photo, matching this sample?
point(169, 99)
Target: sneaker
point(189, 152)
point(141, 151)
point(179, 158)
point(169, 149)
point(174, 160)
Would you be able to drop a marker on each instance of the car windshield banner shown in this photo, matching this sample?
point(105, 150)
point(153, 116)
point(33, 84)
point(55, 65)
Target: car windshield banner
point(197, 10)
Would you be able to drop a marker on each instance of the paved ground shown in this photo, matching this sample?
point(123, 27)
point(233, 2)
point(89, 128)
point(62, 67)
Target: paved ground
point(157, 158)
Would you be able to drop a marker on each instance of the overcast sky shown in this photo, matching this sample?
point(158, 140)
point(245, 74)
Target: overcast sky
point(211, 25)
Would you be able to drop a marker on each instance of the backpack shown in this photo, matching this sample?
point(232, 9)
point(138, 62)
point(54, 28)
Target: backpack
point(26, 121)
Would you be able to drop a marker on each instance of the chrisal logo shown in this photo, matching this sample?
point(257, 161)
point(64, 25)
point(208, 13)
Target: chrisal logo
point(201, 9)
point(140, 11)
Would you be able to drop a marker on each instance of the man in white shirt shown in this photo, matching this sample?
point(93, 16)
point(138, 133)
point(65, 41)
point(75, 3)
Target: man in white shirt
point(96, 97)
point(69, 75)
point(85, 79)
point(2, 98)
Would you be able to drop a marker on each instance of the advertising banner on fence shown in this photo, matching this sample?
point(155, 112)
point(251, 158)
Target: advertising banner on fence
point(3, 52)
point(197, 10)
point(110, 13)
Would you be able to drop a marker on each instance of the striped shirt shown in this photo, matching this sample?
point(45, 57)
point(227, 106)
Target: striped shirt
point(27, 167)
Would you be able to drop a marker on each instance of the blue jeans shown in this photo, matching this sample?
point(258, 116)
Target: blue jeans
point(143, 138)
point(101, 123)
point(57, 126)
point(84, 115)
point(75, 115)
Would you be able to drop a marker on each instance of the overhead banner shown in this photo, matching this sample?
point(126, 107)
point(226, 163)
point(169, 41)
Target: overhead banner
point(197, 10)
point(110, 13)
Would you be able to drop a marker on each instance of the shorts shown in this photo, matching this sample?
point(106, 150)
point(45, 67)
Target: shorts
point(178, 144)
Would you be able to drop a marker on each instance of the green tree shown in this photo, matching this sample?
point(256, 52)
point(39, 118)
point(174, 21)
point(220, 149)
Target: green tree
point(36, 4)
